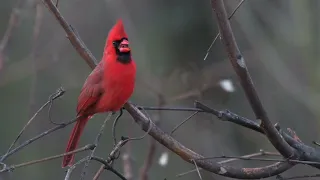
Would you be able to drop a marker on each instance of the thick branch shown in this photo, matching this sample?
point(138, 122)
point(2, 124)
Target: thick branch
point(188, 155)
point(240, 68)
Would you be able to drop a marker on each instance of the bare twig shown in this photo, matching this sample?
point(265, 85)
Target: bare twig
point(108, 167)
point(114, 127)
point(227, 115)
point(184, 121)
point(261, 153)
point(215, 39)
point(57, 3)
point(96, 141)
point(54, 96)
point(194, 162)
point(29, 141)
point(71, 168)
point(13, 167)
point(187, 109)
point(263, 159)
point(111, 157)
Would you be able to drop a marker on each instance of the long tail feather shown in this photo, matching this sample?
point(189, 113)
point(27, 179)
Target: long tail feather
point(74, 139)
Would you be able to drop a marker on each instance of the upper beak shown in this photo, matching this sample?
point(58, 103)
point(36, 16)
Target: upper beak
point(124, 46)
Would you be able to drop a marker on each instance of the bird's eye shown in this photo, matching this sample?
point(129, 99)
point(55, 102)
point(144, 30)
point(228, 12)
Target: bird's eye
point(114, 43)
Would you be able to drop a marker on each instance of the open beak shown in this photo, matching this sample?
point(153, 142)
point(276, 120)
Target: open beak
point(124, 46)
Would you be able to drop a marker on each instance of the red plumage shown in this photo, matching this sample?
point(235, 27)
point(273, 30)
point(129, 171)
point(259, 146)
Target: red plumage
point(108, 87)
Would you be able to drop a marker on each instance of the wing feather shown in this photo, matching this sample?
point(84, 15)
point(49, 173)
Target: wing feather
point(91, 90)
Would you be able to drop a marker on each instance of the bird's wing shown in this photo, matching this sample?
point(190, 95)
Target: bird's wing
point(91, 90)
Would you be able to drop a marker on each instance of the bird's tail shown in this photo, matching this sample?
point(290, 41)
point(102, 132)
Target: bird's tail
point(74, 139)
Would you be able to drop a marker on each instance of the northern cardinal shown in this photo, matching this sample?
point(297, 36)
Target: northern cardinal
point(108, 87)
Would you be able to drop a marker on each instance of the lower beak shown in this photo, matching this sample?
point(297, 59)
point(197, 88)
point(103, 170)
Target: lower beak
point(124, 49)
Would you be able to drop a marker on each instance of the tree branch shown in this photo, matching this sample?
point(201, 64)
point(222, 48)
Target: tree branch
point(239, 66)
point(9, 152)
point(72, 35)
point(11, 168)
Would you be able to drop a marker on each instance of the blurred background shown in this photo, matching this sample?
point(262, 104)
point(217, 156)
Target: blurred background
point(278, 38)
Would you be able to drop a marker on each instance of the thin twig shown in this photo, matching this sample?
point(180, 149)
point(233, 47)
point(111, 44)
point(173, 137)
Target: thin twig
point(13, 167)
point(194, 162)
point(152, 108)
point(111, 157)
point(29, 141)
point(96, 142)
point(184, 121)
point(117, 148)
point(262, 159)
point(108, 167)
point(71, 168)
point(215, 39)
point(54, 96)
point(57, 3)
point(114, 127)
point(227, 115)
point(261, 153)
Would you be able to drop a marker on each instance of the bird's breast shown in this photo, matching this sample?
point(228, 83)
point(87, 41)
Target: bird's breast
point(119, 82)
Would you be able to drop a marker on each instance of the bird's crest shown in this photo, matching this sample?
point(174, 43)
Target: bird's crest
point(117, 32)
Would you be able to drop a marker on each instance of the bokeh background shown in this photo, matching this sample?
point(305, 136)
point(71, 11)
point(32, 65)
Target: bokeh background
point(278, 38)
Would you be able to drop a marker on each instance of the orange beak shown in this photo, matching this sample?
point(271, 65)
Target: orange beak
point(124, 46)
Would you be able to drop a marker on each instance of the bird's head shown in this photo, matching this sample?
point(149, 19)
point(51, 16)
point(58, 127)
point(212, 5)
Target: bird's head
point(118, 43)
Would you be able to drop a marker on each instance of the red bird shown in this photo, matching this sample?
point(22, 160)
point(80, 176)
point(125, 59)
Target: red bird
point(108, 87)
